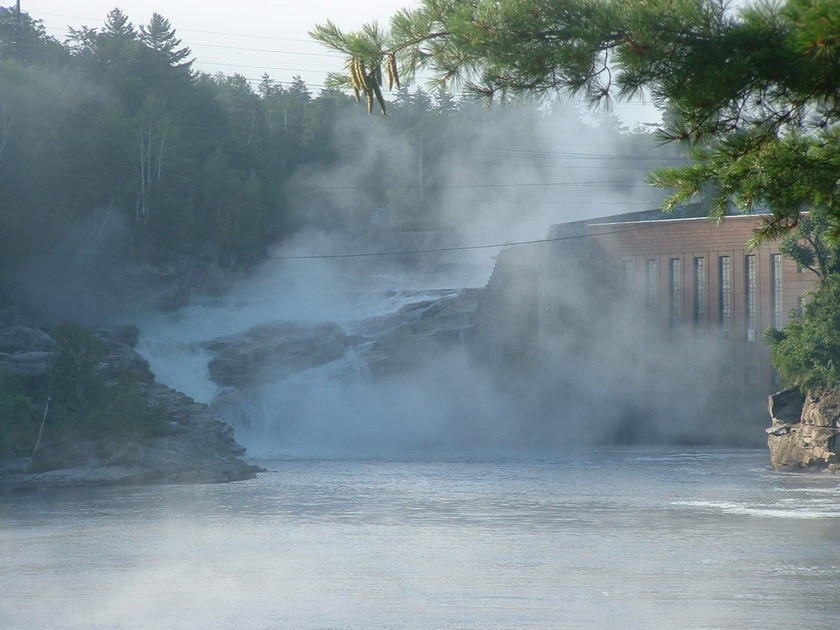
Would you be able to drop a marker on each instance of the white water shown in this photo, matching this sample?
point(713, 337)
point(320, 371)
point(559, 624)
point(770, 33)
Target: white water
point(291, 290)
point(608, 538)
point(335, 408)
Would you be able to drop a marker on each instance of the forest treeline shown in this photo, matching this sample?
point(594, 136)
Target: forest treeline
point(114, 125)
point(116, 121)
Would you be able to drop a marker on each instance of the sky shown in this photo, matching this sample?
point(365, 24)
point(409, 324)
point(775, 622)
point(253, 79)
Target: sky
point(251, 37)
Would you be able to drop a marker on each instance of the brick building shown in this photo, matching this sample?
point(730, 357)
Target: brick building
point(693, 276)
point(647, 325)
point(682, 280)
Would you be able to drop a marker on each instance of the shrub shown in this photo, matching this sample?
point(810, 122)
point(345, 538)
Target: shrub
point(17, 425)
point(85, 402)
point(806, 354)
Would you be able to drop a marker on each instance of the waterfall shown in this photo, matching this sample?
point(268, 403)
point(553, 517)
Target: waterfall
point(390, 324)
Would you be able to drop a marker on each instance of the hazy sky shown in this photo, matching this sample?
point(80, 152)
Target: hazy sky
point(249, 37)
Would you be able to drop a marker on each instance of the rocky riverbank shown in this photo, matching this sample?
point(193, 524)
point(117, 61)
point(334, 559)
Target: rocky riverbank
point(194, 445)
point(805, 430)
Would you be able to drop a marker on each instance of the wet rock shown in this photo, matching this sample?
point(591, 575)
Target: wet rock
point(23, 364)
point(15, 465)
point(273, 351)
point(128, 335)
point(422, 329)
point(805, 430)
point(120, 358)
point(25, 351)
point(23, 339)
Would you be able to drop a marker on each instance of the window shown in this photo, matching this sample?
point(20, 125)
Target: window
point(750, 298)
point(776, 278)
point(675, 285)
point(725, 269)
point(700, 293)
point(651, 290)
point(725, 377)
point(628, 273)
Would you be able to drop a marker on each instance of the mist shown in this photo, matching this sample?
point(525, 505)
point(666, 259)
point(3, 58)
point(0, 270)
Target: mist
point(506, 383)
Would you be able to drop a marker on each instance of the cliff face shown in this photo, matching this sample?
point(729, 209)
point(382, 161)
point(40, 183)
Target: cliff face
point(197, 446)
point(805, 434)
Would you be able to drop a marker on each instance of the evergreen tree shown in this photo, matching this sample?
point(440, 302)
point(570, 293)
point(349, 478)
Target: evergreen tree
point(159, 36)
point(754, 93)
point(26, 41)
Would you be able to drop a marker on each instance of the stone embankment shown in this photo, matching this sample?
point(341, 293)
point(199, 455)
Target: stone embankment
point(805, 434)
point(198, 446)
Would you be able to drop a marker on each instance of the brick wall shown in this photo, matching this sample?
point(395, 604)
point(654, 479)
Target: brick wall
point(624, 305)
point(696, 249)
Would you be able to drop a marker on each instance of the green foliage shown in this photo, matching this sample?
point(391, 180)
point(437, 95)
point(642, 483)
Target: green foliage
point(807, 353)
point(84, 401)
point(17, 424)
point(753, 92)
point(811, 247)
point(33, 46)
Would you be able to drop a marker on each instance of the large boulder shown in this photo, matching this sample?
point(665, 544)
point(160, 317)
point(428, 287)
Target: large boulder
point(271, 352)
point(18, 339)
point(25, 351)
point(121, 356)
point(805, 430)
point(422, 329)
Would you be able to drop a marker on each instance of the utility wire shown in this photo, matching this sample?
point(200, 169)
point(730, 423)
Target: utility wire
point(451, 186)
point(228, 34)
point(432, 250)
point(457, 248)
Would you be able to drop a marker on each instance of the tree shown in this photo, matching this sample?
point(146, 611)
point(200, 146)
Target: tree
point(116, 40)
point(807, 245)
point(807, 353)
point(88, 401)
point(26, 40)
point(753, 93)
point(159, 36)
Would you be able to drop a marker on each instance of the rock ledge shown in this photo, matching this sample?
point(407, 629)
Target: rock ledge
point(805, 430)
point(198, 448)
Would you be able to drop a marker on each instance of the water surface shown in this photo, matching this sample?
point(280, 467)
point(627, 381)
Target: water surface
point(608, 538)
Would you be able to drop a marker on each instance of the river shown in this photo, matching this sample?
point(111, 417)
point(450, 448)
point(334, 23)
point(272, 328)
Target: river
point(594, 538)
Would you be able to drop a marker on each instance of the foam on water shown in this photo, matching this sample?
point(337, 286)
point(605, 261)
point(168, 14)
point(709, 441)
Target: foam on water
point(797, 511)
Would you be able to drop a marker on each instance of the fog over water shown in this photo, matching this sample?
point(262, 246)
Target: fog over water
point(621, 538)
point(510, 184)
point(450, 493)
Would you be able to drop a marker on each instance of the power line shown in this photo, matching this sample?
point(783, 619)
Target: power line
point(268, 50)
point(433, 250)
point(451, 186)
point(439, 250)
point(184, 30)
